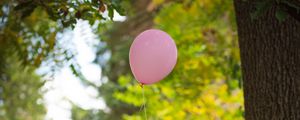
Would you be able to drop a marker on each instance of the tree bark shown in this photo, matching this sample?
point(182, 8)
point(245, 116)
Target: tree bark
point(270, 56)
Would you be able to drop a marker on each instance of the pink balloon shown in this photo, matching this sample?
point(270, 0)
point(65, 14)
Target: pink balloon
point(152, 56)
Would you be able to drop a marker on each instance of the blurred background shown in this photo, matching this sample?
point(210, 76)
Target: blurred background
point(68, 60)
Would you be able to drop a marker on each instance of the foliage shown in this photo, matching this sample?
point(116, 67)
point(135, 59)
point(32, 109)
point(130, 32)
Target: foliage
point(20, 91)
point(205, 82)
point(31, 30)
point(67, 11)
point(81, 114)
point(283, 9)
point(34, 26)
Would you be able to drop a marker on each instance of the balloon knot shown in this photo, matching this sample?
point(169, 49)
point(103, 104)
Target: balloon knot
point(142, 85)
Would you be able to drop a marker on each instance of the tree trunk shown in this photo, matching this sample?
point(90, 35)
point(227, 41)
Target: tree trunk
point(270, 54)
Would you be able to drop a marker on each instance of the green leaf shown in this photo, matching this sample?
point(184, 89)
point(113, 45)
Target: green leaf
point(261, 7)
point(119, 9)
point(74, 71)
point(23, 5)
point(110, 12)
point(28, 11)
point(280, 15)
point(51, 40)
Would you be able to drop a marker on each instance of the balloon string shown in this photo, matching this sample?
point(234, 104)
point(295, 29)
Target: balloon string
point(144, 102)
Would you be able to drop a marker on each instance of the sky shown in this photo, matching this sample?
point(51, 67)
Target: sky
point(65, 88)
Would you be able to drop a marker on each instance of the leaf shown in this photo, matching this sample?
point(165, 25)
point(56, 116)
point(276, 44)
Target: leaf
point(280, 15)
point(124, 80)
point(75, 68)
point(119, 9)
point(110, 12)
point(23, 5)
point(51, 41)
point(261, 7)
point(52, 14)
point(28, 11)
point(74, 71)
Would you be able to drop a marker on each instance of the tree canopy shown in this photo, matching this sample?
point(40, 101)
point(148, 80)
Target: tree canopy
point(205, 84)
point(29, 34)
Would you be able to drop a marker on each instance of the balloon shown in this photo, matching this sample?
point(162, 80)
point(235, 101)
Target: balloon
point(152, 56)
